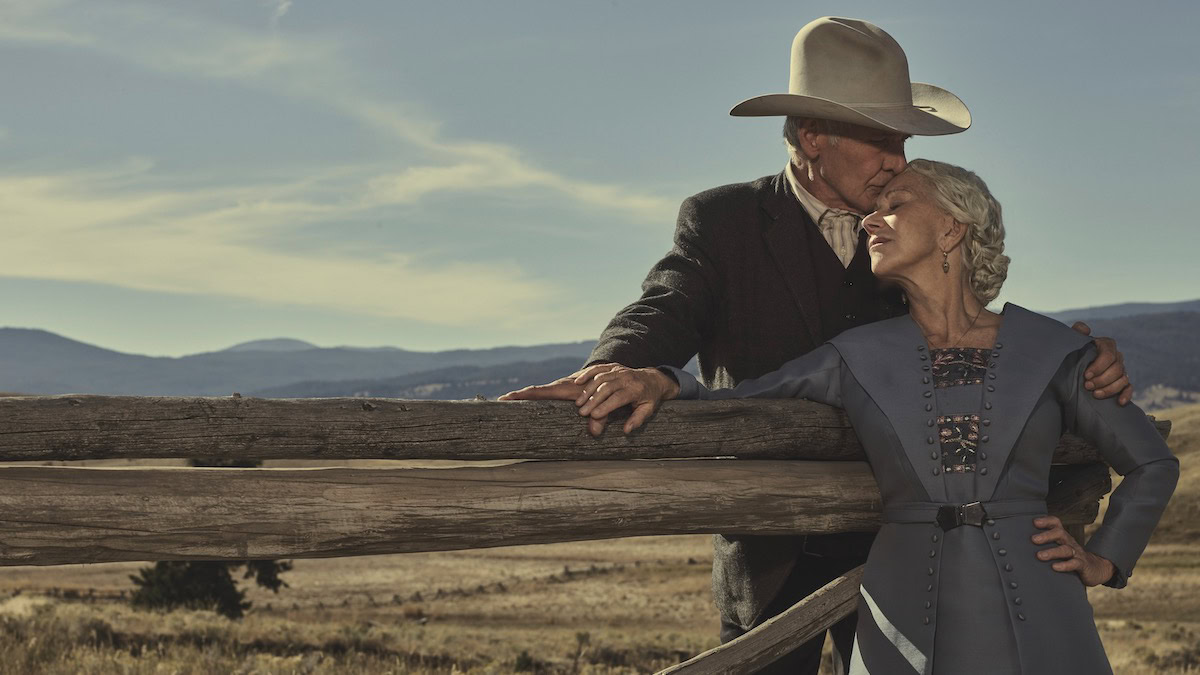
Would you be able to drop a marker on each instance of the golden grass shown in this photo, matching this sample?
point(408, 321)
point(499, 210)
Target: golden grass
point(641, 603)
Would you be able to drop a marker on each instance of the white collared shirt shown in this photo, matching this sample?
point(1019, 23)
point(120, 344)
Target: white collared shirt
point(840, 228)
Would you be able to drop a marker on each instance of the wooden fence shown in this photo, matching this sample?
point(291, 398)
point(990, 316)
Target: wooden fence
point(698, 467)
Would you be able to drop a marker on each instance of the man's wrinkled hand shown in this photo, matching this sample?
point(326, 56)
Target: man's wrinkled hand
point(1105, 376)
point(562, 389)
point(605, 390)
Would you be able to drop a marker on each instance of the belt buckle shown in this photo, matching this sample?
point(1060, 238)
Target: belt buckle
point(949, 516)
point(973, 514)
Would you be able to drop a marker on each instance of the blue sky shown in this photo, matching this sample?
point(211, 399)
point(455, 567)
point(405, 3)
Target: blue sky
point(178, 176)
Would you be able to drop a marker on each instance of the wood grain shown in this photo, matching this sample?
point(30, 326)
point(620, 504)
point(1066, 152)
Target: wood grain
point(55, 515)
point(781, 634)
point(127, 427)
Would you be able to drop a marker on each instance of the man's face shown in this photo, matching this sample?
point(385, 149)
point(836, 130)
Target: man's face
point(856, 169)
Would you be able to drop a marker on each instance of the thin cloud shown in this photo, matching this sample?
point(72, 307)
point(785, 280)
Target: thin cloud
point(312, 68)
point(281, 8)
point(72, 227)
point(118, 225)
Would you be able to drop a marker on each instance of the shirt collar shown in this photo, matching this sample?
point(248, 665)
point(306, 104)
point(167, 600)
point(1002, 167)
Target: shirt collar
point(813, 206)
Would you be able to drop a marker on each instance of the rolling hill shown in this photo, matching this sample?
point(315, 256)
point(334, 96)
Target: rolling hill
point(1157, 341)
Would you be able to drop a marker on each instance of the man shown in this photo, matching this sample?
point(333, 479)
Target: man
point(765, 271)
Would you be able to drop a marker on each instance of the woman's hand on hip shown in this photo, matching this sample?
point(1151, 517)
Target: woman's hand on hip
point(1070, 554)
point(607, 389)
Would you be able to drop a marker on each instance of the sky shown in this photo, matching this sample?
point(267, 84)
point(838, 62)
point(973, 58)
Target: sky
point(177, 177)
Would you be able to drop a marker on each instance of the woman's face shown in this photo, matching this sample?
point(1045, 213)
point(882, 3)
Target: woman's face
point(906, 229)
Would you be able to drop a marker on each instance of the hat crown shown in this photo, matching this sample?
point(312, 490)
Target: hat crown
point(849, 61)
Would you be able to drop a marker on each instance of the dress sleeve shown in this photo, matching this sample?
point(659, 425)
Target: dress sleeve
point(1130, 444)
point(815, 376)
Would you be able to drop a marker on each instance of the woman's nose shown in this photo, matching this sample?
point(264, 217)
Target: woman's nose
point(872, 222)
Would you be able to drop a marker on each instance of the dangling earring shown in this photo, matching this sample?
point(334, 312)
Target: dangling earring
point(945, 262)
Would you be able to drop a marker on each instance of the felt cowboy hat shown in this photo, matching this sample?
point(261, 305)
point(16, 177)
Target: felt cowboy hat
point(853, 71)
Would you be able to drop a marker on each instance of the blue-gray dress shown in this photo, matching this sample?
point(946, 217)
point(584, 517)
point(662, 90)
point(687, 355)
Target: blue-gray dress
point(950, 427)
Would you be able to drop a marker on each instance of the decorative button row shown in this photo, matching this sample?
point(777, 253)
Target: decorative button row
point(934, 455)
point(987, 405)
point(935, 537)
point(1012, 584)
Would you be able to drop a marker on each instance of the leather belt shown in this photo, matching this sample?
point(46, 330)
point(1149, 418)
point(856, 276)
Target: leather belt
point(950, 516)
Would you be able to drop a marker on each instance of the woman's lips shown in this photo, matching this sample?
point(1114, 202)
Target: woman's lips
point(877, 242)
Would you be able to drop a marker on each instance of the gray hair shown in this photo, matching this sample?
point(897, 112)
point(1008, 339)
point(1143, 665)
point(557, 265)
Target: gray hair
point(791, 135)
point(965, 196)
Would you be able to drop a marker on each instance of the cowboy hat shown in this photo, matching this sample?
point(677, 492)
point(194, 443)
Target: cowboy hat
point(853, 71)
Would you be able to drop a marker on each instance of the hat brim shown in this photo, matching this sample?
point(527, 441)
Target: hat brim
point(934, 111)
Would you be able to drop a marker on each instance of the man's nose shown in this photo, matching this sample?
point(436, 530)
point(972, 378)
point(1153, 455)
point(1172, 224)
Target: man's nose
point(895, 162)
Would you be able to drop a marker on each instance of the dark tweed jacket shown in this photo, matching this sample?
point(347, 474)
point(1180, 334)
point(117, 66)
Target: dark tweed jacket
point(738, 289)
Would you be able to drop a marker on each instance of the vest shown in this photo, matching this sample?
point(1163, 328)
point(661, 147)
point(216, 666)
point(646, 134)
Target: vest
point(849, 296)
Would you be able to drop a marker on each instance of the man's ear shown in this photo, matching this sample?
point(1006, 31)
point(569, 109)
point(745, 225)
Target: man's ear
point(811, 140)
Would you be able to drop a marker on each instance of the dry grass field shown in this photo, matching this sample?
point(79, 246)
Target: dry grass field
point(621, 606)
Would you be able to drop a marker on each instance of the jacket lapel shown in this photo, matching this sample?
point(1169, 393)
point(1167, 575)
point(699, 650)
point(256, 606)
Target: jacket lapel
point(785, 239)
point(886, 359)
point(1029, 349)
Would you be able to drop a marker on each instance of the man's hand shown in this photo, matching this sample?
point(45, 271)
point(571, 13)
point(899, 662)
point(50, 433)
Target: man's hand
point(606, 389)
point(562, 389)
point(1105, 376)
point(1092, 569)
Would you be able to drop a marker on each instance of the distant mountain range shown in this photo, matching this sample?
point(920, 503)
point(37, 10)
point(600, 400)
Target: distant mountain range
point(39, 362)
point(275, 345)
point(1069, 316)
point(1158, 341)
point(445, 384)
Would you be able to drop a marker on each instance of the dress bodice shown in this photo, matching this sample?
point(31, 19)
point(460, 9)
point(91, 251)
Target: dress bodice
point(958, 375)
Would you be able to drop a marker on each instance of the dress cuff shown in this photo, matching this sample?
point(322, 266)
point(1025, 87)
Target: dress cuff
point(1096, 546)
point(689, 388)
point(1119, 579)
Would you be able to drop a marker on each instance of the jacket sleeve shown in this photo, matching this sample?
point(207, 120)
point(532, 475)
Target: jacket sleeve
point(816, 376)
point(1130, 444)
point(678, 300)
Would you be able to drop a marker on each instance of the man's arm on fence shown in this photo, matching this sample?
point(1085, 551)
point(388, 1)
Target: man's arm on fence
point(664, 326)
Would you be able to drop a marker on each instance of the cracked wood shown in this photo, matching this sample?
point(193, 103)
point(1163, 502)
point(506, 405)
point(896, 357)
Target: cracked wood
point(79, 427)
point(56, 515)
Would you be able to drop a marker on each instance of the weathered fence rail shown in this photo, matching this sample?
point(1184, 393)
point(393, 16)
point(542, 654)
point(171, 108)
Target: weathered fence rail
point(56, 515)
point(127, 427)
point(727, 466)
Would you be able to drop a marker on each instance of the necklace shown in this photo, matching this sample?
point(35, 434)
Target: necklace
point(968, 330)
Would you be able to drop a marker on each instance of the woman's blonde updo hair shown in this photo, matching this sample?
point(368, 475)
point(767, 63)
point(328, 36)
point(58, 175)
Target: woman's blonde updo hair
point(966, 198)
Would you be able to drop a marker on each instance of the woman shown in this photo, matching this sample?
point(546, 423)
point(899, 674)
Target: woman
point(959, 410)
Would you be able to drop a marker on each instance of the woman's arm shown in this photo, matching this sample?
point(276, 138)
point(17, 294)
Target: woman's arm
point(815, 376)
point(1129, 442)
